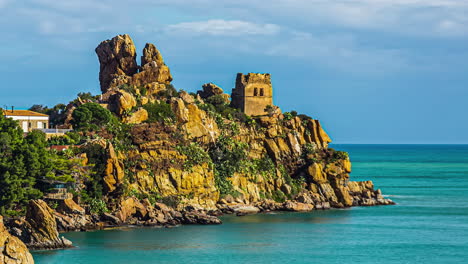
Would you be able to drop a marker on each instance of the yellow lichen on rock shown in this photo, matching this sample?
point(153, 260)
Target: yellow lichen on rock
point(12, 249)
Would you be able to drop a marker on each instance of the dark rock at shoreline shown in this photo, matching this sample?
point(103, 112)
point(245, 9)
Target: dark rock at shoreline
point(39, 229)
point(12, 249)
point(195, 217)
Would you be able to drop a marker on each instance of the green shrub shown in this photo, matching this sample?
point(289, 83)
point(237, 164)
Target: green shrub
point(98, 206)
point(195, 155)
point(143, 91)
point(228, 156)
point(288, 116)
point(278, 196)
point(338, 155)
point(159, 112)
point(263, 166)
point(91, 116)
point(308, 150)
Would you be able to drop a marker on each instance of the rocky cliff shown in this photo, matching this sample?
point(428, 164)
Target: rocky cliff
point(209, 156)
point(12, 249)
point(38, 230)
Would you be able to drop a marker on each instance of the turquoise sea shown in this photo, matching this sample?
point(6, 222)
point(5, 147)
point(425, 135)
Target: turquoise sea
point(428, 225)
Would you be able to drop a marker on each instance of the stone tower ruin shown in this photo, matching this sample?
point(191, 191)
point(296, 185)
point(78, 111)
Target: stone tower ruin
point(253, 93)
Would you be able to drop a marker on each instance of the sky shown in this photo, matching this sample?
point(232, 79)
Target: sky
point(372, 71)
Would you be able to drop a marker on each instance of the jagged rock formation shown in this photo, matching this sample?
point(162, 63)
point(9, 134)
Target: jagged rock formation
point(211, 89)
point(202, 158)
point(305, 171)
point(117, 57)
point(39, 229)
point(12, 249)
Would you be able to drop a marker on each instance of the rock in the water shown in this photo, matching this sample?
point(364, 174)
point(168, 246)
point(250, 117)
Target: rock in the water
point(298, 207)
point(12, 249)
point(39, 230)
point(245, 209)
point(195, 217)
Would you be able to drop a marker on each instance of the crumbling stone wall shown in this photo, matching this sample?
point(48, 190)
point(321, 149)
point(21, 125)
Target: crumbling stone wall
point(253, 93)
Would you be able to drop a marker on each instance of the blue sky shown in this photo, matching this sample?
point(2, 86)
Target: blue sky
point(373, 71)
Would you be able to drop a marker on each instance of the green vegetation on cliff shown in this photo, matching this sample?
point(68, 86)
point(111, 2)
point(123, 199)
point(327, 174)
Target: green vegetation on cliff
point(142, 139)
point(25, 162)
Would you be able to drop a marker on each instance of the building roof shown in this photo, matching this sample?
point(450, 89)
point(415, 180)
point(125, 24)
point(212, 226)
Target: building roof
point(22, 113)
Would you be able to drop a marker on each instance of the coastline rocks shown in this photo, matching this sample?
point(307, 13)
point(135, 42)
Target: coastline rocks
point(200, 218)
point(131, 207)
point(12, 249)
point(69, 206)
point(39, 229)
point(363, 194)
point(297, 207)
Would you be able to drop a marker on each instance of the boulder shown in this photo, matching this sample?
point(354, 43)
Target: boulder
point(188, 99)
point(195, 217)
point(138, 117)
point(106, 217)
point(210, 89)
point(245, 209)
point(297, 207)
point(316, 173)
point(317, 134)
point(68, 206)
point(117, 56)
point(131, 207)
point(118, 66)
point(121, 102)
point(39, 229)
point(304, 198)
point(12, 249)
point(114, 172)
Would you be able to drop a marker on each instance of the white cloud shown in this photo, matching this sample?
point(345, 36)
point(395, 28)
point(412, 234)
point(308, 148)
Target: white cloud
point(221, 27)
point(409, 17)
point(440, 18)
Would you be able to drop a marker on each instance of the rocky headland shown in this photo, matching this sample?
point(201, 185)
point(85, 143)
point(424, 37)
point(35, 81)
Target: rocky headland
point(170, 157)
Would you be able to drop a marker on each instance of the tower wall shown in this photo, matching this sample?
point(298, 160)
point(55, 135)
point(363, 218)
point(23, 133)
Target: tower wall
point(253, 93)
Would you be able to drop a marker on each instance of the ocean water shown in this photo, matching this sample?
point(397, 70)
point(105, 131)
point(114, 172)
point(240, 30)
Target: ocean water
point(428, 225)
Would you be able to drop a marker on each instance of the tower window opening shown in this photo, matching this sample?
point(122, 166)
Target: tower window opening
point(261, 92)
point(255, 91)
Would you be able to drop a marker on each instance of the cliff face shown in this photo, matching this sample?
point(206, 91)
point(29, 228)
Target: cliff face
point(210, 160)
point(39, 229)
point(12, 250)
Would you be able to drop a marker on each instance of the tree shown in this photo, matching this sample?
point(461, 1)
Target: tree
point(24, 162)
point(20, 163)
point(91, 116)
point(39, 108)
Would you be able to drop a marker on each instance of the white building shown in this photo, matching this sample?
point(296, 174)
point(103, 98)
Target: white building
point(28, 120)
